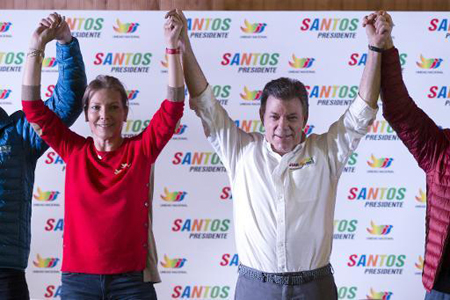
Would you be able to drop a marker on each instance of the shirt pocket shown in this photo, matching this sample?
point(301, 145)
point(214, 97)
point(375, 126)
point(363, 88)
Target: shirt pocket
point(304, 183)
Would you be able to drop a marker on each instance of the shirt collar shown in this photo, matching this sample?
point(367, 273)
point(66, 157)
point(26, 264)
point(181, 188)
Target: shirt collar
point(294, 151)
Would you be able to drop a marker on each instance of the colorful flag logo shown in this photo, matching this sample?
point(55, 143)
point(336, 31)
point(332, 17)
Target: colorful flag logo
point(379, 295)
point(45, 196)
point(176, 263)
point(125, 27)
point(379, 229)
point(253, 28)
point(4, 26)
point(4, 94)
point(173, 196)
point(49, 62)
point(422, 198)
point(429, 63)
point(419, 264)
point(301, 63)
point(165, 62)
point(251, 95)
point(381, 163)
point(132, 94)
point(47, 263)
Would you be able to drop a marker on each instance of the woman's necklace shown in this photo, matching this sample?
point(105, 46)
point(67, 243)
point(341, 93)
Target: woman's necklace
point(101, 156)
point(98, 154)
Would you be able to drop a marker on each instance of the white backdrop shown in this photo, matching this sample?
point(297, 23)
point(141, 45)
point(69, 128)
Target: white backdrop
point(379, 220)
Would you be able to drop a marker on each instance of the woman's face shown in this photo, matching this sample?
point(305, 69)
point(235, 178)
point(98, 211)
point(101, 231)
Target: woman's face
point(106, 114)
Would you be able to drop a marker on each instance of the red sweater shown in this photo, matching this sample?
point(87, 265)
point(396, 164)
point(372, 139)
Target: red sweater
point(106, 200)
point(430, 146)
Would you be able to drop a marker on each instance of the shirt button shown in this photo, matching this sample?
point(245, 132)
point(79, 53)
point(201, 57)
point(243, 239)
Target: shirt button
point(145, 225)
point(144, 245)
point(147, 184)
point(146, 204)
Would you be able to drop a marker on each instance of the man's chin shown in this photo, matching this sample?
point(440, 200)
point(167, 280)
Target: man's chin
point(282, 148)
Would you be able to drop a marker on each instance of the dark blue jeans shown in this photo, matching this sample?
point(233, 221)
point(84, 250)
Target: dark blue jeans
point(435, 295)
point(13, 285)
point(106, 287)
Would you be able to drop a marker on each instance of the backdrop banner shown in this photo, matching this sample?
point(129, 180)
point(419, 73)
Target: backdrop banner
point(379, 222)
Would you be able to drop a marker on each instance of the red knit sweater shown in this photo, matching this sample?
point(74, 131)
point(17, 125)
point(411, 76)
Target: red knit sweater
point(106, 200)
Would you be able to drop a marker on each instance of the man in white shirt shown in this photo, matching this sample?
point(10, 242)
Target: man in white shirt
point(284, 184)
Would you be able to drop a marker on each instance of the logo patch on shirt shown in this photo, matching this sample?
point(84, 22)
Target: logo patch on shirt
point(122, 167)
point(301, 164)
point(5, 149)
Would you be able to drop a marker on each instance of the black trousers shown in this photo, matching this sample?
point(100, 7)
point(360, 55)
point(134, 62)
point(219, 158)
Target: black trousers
point(13, 285)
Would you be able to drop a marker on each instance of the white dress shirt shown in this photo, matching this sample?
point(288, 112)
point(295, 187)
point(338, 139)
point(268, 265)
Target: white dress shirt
point(283, 205)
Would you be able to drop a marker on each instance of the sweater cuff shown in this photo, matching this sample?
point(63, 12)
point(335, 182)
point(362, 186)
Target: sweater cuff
point(175, 94)
point(32, 109)
point(174, 109)
point(31, 92)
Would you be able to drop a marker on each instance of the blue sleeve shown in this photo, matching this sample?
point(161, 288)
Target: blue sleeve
point(68, 93)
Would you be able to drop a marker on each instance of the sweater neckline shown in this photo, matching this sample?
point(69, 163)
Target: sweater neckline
point(103, 154)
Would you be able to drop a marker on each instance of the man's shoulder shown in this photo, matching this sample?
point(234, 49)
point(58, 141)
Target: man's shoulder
point(447, 133)
point(18, 114)
point(314, 137)
point(316, 142)
point(12, 126)
point(257, 138)
point(17, 118)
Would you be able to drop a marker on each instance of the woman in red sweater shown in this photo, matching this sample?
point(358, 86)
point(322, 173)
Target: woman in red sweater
point(106, 241)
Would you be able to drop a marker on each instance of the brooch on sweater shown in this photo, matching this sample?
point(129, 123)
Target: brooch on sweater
point(122, 167)
point(302, 163)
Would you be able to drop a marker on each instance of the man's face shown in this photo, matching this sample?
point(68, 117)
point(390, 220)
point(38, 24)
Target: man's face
point(284, 122)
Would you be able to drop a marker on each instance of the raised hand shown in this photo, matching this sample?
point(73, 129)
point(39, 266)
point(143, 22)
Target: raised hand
point(63, 34)
point(184, 38)
point(378, 28)
point(390, 25)
point(172, 30)
point(48, 30)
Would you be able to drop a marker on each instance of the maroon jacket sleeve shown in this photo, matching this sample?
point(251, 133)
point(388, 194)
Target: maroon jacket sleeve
point(54, 132)
point(161, 128)
point(423, 138)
